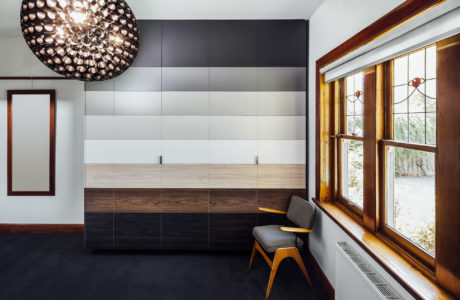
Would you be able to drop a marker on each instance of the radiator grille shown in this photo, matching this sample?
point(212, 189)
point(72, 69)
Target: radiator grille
point(357, 279)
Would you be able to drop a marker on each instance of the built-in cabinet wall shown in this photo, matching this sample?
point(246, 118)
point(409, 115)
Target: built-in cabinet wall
point(210, 110)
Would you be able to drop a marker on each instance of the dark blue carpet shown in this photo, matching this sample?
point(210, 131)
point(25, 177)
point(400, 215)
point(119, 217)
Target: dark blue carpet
point(55, 266)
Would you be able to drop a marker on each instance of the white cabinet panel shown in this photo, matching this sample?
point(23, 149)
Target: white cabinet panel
point(137, 103)
point(233, 128)
point(137, 127)
point(99, 103)
point(122, 152)
point(233, 152)
point(139, 79)
point(282, 103)
point(185, 152)
point(185, 103)
point(99, 127)
point(281, 152)
point(185, 128)
point(281, 128)
point(99, 152)
point(233, 103)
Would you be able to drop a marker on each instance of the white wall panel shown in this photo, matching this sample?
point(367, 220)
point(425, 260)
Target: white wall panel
point(282, 152)
point(233, 103)
point(100, 128)
point(137, 103)
point(185, 152)
point(233, 152)
point(282, 103)
point(233, 128)
point(185, 103)
point(281, 128)
point(99, 103)
point(137, 127)
point(184, 128)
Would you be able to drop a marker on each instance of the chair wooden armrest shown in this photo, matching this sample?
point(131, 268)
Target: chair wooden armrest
point(296, 229)
point(275, 211)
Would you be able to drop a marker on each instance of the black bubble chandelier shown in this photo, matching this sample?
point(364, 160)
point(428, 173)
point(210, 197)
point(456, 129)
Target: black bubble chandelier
point(90, 40)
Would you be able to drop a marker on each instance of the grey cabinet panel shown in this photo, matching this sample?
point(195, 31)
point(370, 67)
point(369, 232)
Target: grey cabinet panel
point(282, 103)
point(99, 102)
point(281, 128)
point(139, 79)
point(185, 231)
point(233, 128)
point(233, 43)
point(137, 231)
point(185, 103)
point(185, 79)
point(282, 79)
point(106, 85)
point(233, 103)
point(185, 44)
point(233, 79)
point(283, 43)
point(137, 127)
point(149, 54)
point(185, 128)
point(99, 128)
point(98, 230)
point(137, 103)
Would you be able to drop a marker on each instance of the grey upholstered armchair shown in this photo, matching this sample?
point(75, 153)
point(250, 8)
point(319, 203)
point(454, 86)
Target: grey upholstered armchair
point(283, 241)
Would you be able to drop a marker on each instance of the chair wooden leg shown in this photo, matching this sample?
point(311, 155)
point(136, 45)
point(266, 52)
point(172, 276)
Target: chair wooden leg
point(298, 259)
point(254, 250)
point(279, 256)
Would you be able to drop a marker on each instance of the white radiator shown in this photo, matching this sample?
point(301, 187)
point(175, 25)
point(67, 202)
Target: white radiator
point(356, 279)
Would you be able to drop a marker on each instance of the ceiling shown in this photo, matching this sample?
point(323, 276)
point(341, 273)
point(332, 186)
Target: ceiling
point(188, 9)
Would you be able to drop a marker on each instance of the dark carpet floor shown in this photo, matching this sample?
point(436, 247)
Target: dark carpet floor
point(55, 266)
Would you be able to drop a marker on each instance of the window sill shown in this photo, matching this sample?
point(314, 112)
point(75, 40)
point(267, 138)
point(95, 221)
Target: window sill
point(410, 278)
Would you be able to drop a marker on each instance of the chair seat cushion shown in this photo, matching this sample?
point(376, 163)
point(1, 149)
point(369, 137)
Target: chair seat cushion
point(271, 237)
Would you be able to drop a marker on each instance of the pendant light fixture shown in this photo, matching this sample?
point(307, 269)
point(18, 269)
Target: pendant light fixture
point(90, 40)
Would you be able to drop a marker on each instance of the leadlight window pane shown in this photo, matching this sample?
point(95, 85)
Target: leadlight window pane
point(355, 104)
point(410, 195)
point(352, 171)
point(414, 97)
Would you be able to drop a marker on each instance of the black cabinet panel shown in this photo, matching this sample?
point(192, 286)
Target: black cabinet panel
point(233, 43)
point(185, 231)
point(149, 54)
point(99, 230)
point(137, 231)
point(282, 43)
point(185, 44)
point(231, 230)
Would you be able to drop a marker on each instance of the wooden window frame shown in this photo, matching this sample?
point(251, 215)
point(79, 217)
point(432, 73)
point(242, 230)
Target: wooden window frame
point(421, 276)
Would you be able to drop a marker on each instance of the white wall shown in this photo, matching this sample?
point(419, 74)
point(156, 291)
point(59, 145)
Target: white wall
point(67, 206)
point(333, 23)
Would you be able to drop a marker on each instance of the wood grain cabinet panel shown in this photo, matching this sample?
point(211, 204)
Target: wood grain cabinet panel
point(185, 176)
point(281, 176)
point(98, 200)
point(231, 231)
point(137, 231)
point(123, 176)
point(137, 200)
point(278, 198)
point(232, 176)
point(98, 230)
point(185, 231)
point(233, 200)
point(185, 200)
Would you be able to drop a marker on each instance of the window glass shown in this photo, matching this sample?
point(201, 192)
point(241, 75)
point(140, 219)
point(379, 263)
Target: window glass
point(352, 171)
point(355, 104)
point(414, 97)
point(410, 195)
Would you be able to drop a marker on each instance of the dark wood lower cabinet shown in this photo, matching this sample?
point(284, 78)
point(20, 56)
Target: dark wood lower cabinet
point(185, 231)
point(99, 230)
point(137, 231)
point(226, 225)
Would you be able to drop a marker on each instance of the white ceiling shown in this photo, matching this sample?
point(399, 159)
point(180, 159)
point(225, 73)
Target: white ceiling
point(188, 9)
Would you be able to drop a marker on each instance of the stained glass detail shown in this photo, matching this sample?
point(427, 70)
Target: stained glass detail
point(414, 97)
point(355, 104)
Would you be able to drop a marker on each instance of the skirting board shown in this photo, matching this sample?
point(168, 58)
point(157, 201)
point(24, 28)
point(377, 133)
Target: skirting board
point(326, 285)
point(42, 228)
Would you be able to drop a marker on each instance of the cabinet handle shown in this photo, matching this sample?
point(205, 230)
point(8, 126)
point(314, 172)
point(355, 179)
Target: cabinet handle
point(257, 160)
point(161, 159)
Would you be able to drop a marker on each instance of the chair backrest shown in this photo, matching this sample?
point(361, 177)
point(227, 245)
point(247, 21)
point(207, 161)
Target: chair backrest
point(301, 212)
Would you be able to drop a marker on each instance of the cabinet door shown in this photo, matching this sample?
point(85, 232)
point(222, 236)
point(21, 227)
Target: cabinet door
point(137, 231)
point(98, 231)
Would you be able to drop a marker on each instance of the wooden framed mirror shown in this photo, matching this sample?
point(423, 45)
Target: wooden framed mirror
point(31, 142)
